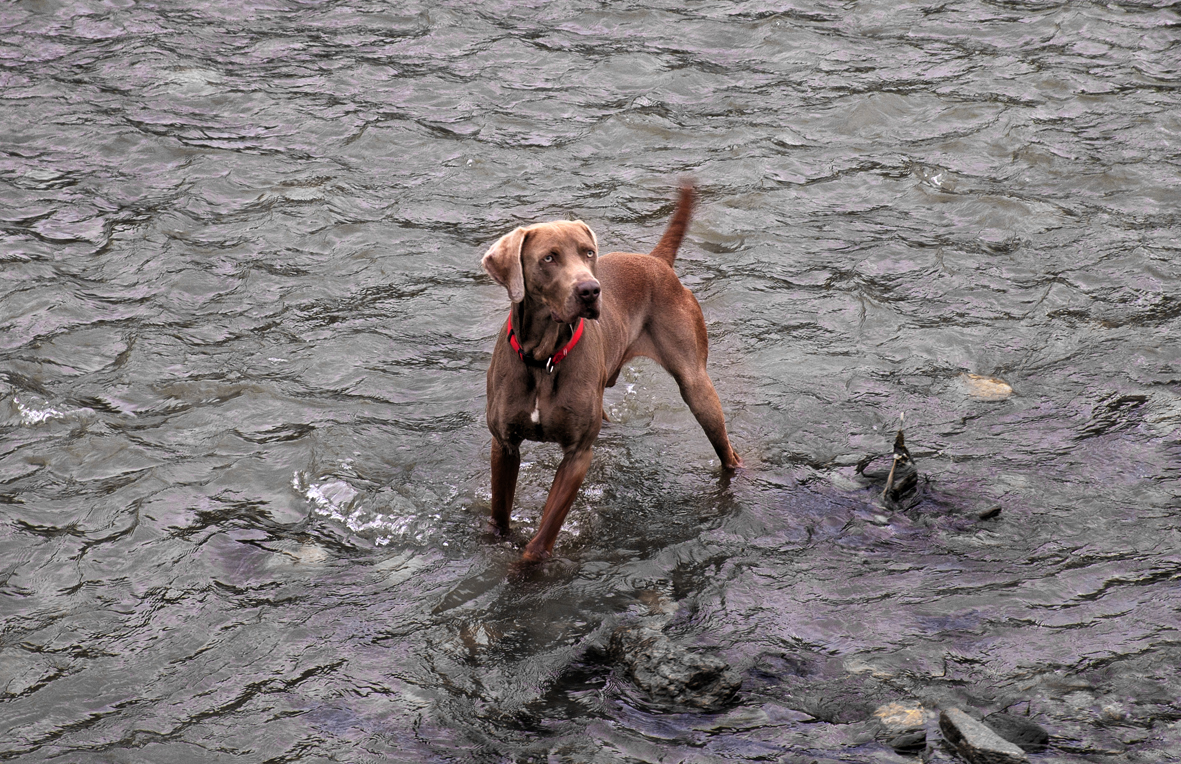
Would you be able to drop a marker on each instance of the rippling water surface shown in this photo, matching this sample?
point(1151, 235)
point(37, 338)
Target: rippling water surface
point(243, 335)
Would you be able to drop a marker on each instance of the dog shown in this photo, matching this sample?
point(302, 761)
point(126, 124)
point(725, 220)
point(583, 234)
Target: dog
point(575, 319)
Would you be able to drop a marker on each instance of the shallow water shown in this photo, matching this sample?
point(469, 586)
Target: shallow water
point(243, 335)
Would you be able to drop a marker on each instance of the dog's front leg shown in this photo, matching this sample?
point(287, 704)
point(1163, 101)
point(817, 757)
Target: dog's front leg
point(506, 465)
point(567, 481)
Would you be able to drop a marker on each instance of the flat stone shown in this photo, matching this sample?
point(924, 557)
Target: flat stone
point(741, 718)
point(900, 717)
point(976, 742)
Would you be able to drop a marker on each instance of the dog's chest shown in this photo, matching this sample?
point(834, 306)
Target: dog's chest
point(553, 415)
point(531, 416)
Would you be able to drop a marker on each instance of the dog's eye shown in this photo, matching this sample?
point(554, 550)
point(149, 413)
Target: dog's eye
point(590, 253)
point(547, 259)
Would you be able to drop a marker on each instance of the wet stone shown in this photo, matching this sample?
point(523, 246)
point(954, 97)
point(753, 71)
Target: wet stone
point(1018, 730)
point(670, 673)
point(902, 726)
point(975, 742)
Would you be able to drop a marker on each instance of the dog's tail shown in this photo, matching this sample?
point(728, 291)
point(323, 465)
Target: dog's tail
point(666, 248)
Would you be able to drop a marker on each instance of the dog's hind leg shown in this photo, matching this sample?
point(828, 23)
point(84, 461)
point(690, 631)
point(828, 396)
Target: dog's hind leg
point(698, 391)
point(681, 348)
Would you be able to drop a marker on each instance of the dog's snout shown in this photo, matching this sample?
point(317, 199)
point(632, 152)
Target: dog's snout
point(587, 291)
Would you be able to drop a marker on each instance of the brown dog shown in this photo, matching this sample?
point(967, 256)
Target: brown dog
point(551, 364)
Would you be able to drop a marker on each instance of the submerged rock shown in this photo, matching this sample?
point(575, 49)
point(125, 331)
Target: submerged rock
point(991, 513)
point(1030, 737)
point(848, 699)
point(976, 742)
point(986, 388)
point(670, 673)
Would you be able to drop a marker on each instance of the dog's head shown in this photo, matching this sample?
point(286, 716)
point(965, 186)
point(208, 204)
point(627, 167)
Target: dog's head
point(554, 263)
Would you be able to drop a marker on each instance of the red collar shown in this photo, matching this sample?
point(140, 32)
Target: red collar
point(555, 359)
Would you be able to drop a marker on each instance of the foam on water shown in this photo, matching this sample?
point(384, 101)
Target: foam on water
point(34, 414)
point(380, 516)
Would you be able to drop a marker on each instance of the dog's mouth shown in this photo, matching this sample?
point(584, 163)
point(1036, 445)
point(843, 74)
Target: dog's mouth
point(579, 310)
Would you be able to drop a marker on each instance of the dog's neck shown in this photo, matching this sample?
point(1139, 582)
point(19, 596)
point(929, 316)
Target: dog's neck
point(538, 333)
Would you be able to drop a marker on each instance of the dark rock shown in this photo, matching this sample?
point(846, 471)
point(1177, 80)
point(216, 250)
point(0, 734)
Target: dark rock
point(911, 741)
point(670, 673)
point(975, 742)
point(991, 512)
point(1019, 730)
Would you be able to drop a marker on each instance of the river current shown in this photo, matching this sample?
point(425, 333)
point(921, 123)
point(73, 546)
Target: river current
point(244, 487)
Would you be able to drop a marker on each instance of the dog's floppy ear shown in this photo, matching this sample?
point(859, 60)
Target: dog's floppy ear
point(594, 238)
point(502, 262)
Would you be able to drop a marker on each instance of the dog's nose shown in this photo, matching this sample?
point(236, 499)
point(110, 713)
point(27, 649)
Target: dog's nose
point(587, 291)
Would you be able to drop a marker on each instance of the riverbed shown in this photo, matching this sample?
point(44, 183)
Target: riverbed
point(244, 489)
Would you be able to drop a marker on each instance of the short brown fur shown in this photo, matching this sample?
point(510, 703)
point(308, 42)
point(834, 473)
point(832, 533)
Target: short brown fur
point(634, 305)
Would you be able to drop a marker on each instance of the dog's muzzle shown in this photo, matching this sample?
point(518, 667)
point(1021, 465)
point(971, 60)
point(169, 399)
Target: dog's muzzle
point(588, 293)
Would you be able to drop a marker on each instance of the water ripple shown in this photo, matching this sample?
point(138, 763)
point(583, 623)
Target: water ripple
point(243, 334)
